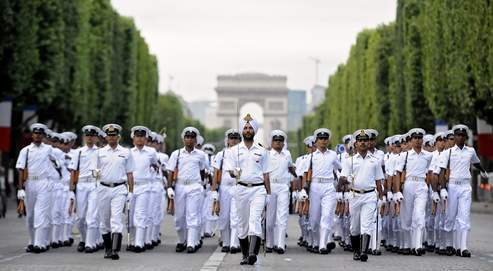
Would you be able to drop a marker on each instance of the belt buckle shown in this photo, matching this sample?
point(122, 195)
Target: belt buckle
point(112, 185)
point(249, 185)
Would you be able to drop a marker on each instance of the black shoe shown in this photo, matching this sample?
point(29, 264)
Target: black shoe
point(225, 249)
point(71, 240)
point(244, 245)
point(376, 252)
point(200, 243)
point(191, 249)
point(89, 250)
point(234, 250)
point(466, 253)
point(253, 249)
point(43, 249)
point(207, 235)
point(304, 244)
point(138, 249)
point(100, 246)
point(394, 249)
point(66, 243)
point(148, 246)
point(365, 241)
point(420, 251)
point(442, 251)
point(60, 244)
point(130, 248)
point(29, 248)
point(337, 238)
point(413, 252)
point(356, 245)
point(116, 243)
point(54, 245)
point(348, 247)
point(180, 247)
point(406, 251)
point(107, 245)
point(155, 243)
point(309, 248)
point(300, 241)
point(268, 250)
point(316, 249)
point(81, 246)
point(430, 248)
point(457, 253)
point(36, 249)
point(324, 251)
point(331, 246)
point(450, 251)
point(280, 251)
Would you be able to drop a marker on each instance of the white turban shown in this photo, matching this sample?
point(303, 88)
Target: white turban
point(248, 119)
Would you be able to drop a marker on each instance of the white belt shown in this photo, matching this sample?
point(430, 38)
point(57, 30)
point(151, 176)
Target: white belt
point(34, 178)
point(323, 180)
point(459, 181)
point(187, 182)
point(415, 179)
point(88, 179)
point(281, 181)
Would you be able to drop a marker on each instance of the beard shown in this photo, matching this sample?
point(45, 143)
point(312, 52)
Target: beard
point(248, 136)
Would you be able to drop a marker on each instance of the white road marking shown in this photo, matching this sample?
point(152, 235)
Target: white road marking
point(13, 257)
point(214, 260)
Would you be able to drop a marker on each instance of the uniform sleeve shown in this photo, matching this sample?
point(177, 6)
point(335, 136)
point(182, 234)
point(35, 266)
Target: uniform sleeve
point(21, 160)
point(204, 162)
point(154, 158)
point(290, 160)
point(94, 163)
point(379, 173)
point(266, 163)
point(130, 163)
point(75, 160)
point(229, 161)
point(172, 161)
point(337, 163)
point(474, 157)
point(443, 160)
point(345, 168)
point(399, 163)
point(216, 162)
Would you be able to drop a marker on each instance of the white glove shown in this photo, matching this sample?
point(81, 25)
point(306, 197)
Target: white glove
point(435, 197)
point(237, 172)
point(267, 199)
point(443, 193)
point(348, 196)
point(294, 195)
point(398, 197)
point(21, 194)
point(390, 196)
point(215, 195)
point(303, 194)
point(71, 195)
point(484, 174)
point(339, 196)
point(384, 199)
point(171, 193)
point(129, 196)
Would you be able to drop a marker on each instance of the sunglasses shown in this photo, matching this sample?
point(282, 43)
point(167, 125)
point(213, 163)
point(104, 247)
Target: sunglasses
point(278, 139)
point(190, 136)
point(363, 140)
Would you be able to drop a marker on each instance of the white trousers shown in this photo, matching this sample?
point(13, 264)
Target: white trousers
point(58, 198)
point(250, 202)
point(84, 189)
point(363, 208)
point(111, 204)
point(37, 204)
point(322, 207)
point(187, 215)
point(228, 217)
point(413, 210)
point(156, 213)
point(277, 215)
point(139, 213)
point(458, 214)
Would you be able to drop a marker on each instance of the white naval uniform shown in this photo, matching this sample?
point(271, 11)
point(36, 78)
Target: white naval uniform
point(374, 243)
point(278, 207)
point(322, 195)
point(158, 197)
point(69, 218)
point(188, 193)
point(140, 205)
point(228, 218)
point(86, 196)
point(415, 192)
point(37, 200)
point(250, 200)
point(58, 197)
point(439, 219)
point(362, 174)
point(114, 165)
point(302, 220)
point(209, 221)
point(459, 192)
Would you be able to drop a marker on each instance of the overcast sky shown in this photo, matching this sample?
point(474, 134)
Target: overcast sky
point(197, 40)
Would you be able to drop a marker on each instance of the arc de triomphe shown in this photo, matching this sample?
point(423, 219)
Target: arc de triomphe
point(269, 92)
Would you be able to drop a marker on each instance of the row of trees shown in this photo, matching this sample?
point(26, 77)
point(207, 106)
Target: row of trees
point(79, 62)
point(434, 63)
